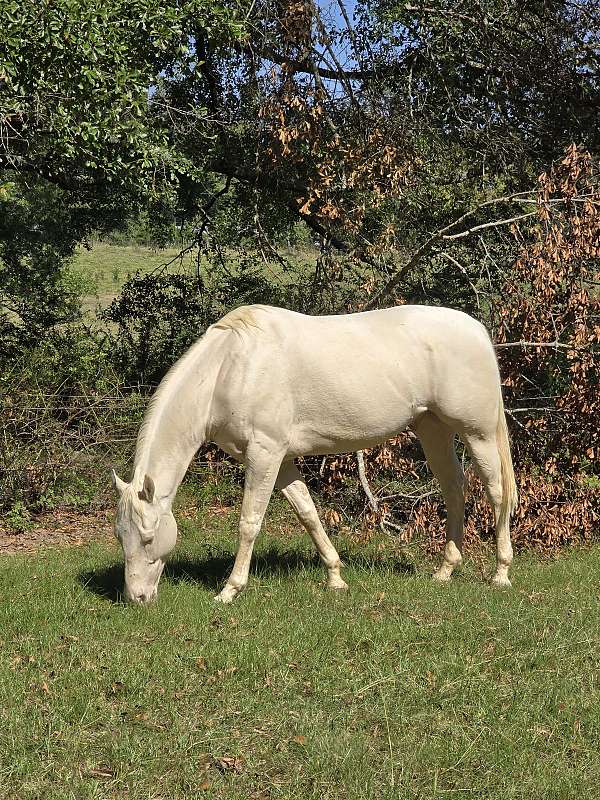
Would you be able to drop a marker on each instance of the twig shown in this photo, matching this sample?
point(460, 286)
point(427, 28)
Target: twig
point(457, 264)
point(534, 408)
point(385, 523)
point(365, 483)
point(414, 497)
point(522, 343)
point(517, 422)
point(389, 738)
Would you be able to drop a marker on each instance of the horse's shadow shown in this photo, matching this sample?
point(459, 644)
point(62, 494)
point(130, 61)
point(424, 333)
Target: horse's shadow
point(212, 572)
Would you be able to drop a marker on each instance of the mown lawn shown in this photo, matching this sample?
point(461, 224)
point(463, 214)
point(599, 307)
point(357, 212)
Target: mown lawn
point(399, 688)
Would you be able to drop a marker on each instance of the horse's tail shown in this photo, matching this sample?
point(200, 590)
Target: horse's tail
point(510, 496)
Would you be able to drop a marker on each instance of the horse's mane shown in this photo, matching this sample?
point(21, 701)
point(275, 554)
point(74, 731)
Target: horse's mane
point(239, 320)
point(161, 396)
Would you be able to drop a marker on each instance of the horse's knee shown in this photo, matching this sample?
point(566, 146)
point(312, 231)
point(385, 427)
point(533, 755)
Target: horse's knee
point(249, 528)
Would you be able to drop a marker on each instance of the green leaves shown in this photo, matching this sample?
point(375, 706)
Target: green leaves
point(82, 141)
point(76, 83)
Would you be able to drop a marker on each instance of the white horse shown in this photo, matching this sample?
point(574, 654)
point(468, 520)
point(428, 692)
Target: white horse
point(268, 385)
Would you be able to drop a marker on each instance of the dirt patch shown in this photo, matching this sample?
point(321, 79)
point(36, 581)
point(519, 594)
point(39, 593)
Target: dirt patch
point(59, 529)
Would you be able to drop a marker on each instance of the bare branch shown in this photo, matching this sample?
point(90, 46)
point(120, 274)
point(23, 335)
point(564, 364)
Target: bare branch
point(542, 344)
point(457, 264)
point(308, 67)
point(495, 224)
point(365, 483)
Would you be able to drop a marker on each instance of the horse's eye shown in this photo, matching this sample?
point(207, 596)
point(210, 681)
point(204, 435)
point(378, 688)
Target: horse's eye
point(146, 535)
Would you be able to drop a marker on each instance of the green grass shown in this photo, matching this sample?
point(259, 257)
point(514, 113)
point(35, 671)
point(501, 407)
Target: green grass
point(399, 688)
point(107, 266)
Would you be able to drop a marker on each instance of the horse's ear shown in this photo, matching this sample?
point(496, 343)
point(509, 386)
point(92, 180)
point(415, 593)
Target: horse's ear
point(117, 482)
point(147, 492)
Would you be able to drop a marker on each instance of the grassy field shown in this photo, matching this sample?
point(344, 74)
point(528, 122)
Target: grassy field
point(106, 267)
point(400, 688)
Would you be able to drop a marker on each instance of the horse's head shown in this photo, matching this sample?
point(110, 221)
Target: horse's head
point(147, 531)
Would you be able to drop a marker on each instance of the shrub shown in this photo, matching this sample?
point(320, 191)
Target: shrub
point(66, 417)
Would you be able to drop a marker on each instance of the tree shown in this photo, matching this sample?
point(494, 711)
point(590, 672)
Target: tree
point(82, 144)
point(373, 129)
point(76, 86)
point(380, 128)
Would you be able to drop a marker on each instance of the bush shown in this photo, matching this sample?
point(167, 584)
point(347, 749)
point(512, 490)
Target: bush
point(66, 418)
point(158, 316)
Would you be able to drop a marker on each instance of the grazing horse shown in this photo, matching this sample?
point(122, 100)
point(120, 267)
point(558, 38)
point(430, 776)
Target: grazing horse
point(268, 385)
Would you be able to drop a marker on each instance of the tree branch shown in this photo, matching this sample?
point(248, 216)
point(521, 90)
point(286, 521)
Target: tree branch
point(522, 343)
point(442, 235)
point(365, 483)
point(309, 67)
point(495, 224)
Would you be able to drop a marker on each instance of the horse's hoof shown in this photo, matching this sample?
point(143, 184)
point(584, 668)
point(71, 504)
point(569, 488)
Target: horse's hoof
point(501, 582)
point(441, 577)
point(338, 586)
point(226, 595)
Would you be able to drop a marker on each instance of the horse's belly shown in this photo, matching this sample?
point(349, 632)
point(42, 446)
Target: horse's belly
point(341, 422)
point(315, 443)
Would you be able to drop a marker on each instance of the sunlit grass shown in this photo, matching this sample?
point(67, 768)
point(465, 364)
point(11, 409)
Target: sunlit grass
point(106, 267)
point(400, 688)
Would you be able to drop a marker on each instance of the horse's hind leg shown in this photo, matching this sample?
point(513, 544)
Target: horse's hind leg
point(437, 440)
point(296, 492)
point(486, 461)
point(262, 467)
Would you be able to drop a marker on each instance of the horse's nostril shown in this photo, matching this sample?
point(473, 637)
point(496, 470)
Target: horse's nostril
point(139, 598)
point(145, 598)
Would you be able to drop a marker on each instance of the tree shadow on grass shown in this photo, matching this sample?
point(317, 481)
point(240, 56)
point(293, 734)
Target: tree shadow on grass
point(212, 572)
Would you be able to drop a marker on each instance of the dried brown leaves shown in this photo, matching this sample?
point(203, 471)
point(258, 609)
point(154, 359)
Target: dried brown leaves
point(551, 296)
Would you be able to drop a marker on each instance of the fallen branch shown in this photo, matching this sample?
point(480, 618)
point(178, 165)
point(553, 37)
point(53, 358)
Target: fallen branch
point(365, 483)
point(415, 497)
point(522, 343)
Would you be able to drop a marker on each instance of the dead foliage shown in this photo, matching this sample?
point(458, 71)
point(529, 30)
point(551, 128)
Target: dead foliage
point(547, 339)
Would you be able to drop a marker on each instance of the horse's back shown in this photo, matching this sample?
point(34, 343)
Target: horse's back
point(344, 381)
point(387, 338)
point(416, 319)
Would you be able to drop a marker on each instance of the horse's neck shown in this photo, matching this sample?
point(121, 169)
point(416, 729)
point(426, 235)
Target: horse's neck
point(165, 459)
point(177, 420)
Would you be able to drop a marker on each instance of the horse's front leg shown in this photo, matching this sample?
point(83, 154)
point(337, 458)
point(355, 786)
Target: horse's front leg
point(263, 460)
